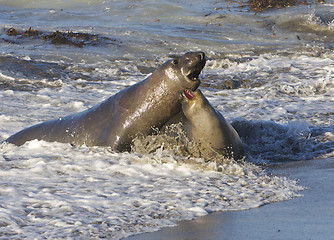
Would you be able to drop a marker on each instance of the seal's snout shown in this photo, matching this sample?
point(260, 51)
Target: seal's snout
point(195, 58)
point(201, 56)
point(201, 60)
point(196, 64)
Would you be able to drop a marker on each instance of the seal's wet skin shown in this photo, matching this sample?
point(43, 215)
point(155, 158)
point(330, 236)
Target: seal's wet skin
point(208, 129)
point(135, 110)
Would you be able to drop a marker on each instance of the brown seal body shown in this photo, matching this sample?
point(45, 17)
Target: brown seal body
point(208, 129)
point(135, 110)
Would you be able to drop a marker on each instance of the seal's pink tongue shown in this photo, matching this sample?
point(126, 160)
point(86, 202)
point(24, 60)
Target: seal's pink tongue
point(188, 94)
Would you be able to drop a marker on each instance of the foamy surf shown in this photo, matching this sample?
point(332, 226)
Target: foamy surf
point(54, 190)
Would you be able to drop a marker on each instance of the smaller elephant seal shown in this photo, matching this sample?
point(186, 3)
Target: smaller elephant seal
point(205, 127)
point(135, 110)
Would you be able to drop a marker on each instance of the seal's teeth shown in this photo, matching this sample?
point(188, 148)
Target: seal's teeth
point(194, 75)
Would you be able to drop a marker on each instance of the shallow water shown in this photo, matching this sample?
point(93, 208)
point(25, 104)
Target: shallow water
point(270, 74)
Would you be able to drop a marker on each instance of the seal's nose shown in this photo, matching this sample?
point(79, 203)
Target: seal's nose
point(201, 55)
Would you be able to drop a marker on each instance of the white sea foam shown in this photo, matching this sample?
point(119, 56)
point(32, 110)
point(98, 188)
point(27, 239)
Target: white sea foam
point(58, 191)
point(300, 82)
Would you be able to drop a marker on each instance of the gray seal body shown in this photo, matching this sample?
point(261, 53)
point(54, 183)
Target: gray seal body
point(208, 129)
point(135, 110)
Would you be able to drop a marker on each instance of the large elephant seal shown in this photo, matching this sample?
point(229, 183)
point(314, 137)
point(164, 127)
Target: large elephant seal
point(207, 128)
point(135, 110)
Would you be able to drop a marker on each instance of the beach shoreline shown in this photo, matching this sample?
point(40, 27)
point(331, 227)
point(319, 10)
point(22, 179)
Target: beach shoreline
point(307, 217)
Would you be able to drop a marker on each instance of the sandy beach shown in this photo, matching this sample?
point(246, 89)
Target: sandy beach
point(307, 217)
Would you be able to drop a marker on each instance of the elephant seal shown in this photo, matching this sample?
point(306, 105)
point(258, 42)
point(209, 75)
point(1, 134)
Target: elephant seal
point(207, 128)
point(135, 110)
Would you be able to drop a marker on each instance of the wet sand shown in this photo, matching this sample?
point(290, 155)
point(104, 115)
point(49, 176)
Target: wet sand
point(307, 217)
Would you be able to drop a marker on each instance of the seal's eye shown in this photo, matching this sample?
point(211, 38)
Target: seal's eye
point(175, 61)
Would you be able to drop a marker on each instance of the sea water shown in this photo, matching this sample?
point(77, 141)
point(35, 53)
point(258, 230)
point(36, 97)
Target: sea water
point(271, 75)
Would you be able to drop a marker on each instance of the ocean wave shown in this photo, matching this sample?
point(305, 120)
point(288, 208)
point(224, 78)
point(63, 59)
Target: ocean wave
point(270, 142)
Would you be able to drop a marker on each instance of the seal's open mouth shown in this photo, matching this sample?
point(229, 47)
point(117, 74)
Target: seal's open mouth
point(194, 75)
point(189, 94)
